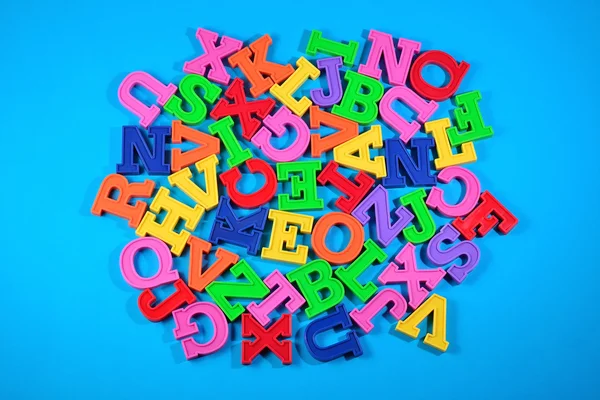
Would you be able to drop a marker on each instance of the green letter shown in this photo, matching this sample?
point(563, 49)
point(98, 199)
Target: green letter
point(416, 200)
point(236, 154)
point(304, 189)
point(220, 291)
point(317, 43)
point(349, 274)
point(310, 290)
point(355, 97)
point(187, 89)
point(470, 117)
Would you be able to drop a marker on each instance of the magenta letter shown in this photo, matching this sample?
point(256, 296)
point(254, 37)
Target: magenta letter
point(147, 114)
point(411, 275)
point(185, 327)
point(213, 56)
point(383, 45)
point(363, 317)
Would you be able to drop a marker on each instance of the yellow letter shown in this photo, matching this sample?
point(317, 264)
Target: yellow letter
point(282, 235)
point(183, 180)
point(285, 91)
point(445, 158)
point(436, 304)
point(343, 154)
point(165, 231)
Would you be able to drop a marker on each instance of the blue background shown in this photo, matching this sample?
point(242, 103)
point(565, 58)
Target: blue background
point(523, 324)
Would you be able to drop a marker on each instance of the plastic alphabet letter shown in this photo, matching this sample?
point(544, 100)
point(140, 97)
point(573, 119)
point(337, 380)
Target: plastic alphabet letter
point(441, 257)
point(310, 288)
point(456, 73)
point(304, 189)
point(223, 128)
point(244, 232)
point(154, 160)
point(466, 152)
point(435, 200)
point(187, 89)
point(267, 338)
point(284, 92)
point(383, 46)
point(331, 66)
point(121, 206)
point(418, 281)
point(403, 94)
point(322, 228)
point(362, 92)
point(207, 146)
point(165, 230)
point(399, 158)
point(350, 345)
point(317, 43)
point(262, 196)
point(242, 109)
point(256, 68)
point(185, 327)
point(345, 128)
point(220, 291)
point(182, 180)
point(488, 214)
point(213, 56)
point(344, 153)
point(355, 191)
point(285, 293)
point(469, 120)
point(436, 304)
point(155, 313)
point(416, 200)
point(277, 123)
point(349, 275)
point(147, 114)
point(378, 199)
point(363, 317)
point(283, 238)
point(165, 274)
point(197, 279)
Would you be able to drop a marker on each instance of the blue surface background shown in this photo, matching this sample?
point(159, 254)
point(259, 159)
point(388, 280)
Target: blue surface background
point(523, 325)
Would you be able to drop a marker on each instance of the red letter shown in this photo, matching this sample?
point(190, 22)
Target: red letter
point(456, 73)
point(354, 192)
point(267, 338)
point(485, 216)
point(183, 295)
point(242, 108)
point(261, 196)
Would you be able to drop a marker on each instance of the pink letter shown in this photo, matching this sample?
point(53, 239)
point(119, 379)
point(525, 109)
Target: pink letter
point(277, 123)
point(147, 114)
point(411, 275)
point(185, 327)
point(363, 317)
point(284, 291)
point(165, 272)
point(383, 45)
point(213, 56)
point(423, 109)
point(435, 200)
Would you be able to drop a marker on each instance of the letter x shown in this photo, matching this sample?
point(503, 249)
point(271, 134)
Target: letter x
point(213, 56)
point(267, 338)
point(242, 108)
point(411, 275)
